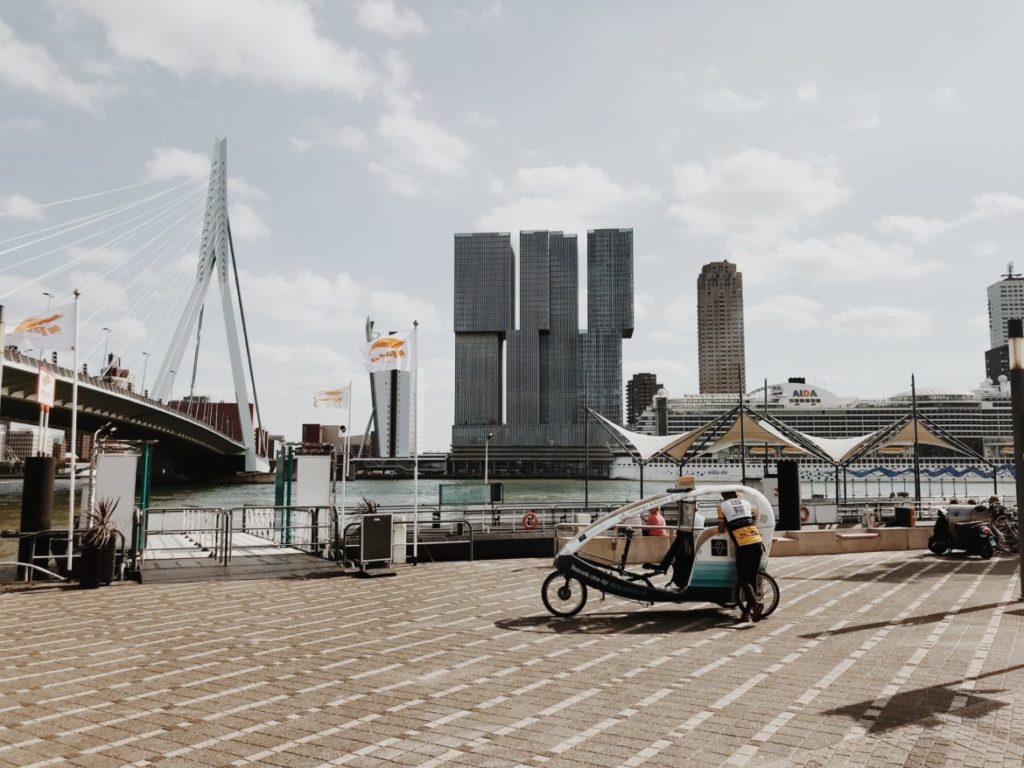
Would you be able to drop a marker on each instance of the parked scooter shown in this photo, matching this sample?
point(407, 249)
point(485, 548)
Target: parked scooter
point(954, 529)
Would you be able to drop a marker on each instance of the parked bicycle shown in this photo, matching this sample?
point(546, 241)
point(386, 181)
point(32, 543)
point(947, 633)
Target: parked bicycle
point(1005, 527)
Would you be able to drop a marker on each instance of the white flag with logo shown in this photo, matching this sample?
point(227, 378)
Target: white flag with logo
point(389, 353)
point(333, 398)
point(50, 330)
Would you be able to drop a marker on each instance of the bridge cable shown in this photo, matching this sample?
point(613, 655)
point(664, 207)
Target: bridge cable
point(87, 254)
point(82, 221)
point(92, 195)
point(245, 331)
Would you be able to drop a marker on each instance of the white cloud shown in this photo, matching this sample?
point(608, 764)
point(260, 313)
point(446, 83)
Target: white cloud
point(882, 322)
point(385, 18)
point(787, 312)
point(917, 228)
point(984, 248)
point(421, 144)
point(173, 161)
point(947, 97)
point(262, 41)
point(30, 67)
point(865, 123)
point(479, 120)
point(681, 314)
point(317, 133)
point(569, 198)
point(846, 257)
point(400, 183)
point(246, 224)
point(755, 191)
point(728, 101)
point(921, 228)
point(20, 207)
point(807, 92)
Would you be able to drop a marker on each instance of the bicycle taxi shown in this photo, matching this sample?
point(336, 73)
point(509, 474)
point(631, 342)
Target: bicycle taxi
point(698, 564)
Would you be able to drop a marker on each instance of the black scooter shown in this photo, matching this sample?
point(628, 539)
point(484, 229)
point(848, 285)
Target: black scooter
point(974, 537)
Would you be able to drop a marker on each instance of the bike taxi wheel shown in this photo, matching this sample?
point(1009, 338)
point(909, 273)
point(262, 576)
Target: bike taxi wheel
point(767, 593)
point(563, 595)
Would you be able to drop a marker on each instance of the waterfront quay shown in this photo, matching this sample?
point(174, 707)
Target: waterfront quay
point(874, 659)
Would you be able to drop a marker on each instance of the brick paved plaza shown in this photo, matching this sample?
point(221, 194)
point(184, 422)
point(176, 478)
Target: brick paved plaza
point(882, 659)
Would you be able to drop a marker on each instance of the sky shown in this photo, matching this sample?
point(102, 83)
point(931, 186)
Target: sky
point(859, 162)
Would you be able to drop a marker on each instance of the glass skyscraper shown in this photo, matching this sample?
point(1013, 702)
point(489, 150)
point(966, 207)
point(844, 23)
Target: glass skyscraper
point(551, 369)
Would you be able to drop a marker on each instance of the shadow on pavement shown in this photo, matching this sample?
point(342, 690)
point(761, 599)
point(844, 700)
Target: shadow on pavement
point(911, 621)
point(921, 706)
point(912, 569)
point(636, 623)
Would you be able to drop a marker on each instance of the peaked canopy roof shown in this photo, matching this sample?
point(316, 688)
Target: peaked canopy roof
point(648, 446)
point(752, 432)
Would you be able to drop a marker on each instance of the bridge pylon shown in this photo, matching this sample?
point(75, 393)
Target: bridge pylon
point(216, 255)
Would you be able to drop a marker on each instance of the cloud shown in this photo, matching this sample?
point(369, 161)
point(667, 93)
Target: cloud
point(724, 100)
point(168, 162)
point(984, 248)
point(400, 183)
point(246, 224)
point(316, 133)
point(921, 229)
point(947, 97)
point(807, 92)
point(262, 41)
point(882, 322)
point(479, 120)
point(917, 228)
point(569, 198)
point(864, 123)
point(30, 67)
point(846, 257)
point(20, 207)
point(787, 312)
point(422, 144)
point(385, 18)
point(755, 192)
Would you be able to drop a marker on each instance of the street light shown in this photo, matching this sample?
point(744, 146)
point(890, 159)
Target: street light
point(106, 343)
point(170, 389)
point(145, 365)
point(487, 444)
point(49, 298)
point(94, 451)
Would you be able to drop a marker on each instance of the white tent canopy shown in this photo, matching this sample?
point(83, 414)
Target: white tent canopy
point(647, 446)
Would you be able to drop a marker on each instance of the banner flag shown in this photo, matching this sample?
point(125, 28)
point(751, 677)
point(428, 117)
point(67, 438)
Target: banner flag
point(46, 387)
point(389, 353)
point(50, 330)
point(333, 398)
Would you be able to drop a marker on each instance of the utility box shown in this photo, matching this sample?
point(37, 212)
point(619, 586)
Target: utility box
point(376, 534)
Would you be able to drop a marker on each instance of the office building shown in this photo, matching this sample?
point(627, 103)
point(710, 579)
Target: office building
point(720, 346)
point(523, 392)
point(23, 443)
point(1005, 302)
point(640, 392)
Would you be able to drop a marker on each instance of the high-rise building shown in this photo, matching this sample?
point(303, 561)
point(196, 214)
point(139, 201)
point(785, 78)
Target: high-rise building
point(391, 398)
point(550, 369)
point(640, 391)
point(720, 346)
point(1005, 302)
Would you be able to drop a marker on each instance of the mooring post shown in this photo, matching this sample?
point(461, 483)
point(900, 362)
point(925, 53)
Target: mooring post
point(1015, 340)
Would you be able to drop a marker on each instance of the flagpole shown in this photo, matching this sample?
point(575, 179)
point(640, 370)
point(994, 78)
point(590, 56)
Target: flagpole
point(415, 444)
point(344, 467)
point(74, 438)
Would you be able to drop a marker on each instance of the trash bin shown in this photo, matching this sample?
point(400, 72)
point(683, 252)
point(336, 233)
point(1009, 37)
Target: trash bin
point(905, 517)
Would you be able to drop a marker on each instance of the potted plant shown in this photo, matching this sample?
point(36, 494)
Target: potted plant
point(99, 542)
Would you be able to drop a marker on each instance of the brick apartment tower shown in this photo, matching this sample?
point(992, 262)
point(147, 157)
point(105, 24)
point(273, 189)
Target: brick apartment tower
point(640, 391)
point(720, 348)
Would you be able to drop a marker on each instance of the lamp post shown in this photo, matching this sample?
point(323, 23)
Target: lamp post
point(487, 444)
point(145, 365)
point(106, 344)
point(1015, 340)
point(49, 298)
point(94, 452)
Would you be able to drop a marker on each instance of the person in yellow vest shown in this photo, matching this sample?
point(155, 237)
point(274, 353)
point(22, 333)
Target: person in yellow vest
point(737, 516)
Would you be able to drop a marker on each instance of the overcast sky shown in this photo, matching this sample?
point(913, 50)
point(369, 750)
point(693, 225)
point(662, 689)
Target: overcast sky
point(860, 162)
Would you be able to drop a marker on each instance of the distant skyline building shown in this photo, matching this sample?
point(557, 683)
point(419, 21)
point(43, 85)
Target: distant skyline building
point(1005, 302)
point(640, 392)
point(720, 340)
point(391, 398)
point(529, 387)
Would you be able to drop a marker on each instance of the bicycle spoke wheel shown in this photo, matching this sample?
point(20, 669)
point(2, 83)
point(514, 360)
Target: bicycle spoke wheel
point(767, 593)
point(563, 595)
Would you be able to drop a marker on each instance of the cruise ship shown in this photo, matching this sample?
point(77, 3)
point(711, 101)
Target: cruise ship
point(979, 420)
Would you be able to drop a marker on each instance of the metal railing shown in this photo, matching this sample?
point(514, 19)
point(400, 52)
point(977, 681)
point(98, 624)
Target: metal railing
point(39, 562)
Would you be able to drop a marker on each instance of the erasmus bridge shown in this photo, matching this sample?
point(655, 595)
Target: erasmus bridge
point(132, 261)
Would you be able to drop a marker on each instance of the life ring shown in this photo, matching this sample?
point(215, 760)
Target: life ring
point(805, 514)
point(530, 520)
